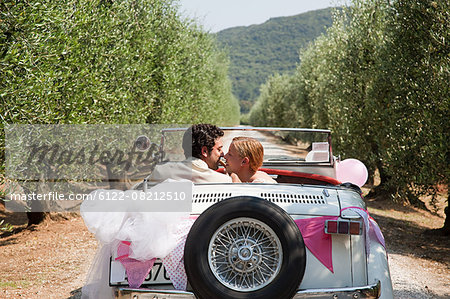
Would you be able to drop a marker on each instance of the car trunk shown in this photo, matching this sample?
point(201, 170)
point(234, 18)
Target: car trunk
point(302, 202)
point(348, 255)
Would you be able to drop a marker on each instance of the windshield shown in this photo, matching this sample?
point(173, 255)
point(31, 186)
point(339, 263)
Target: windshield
point(281, 146)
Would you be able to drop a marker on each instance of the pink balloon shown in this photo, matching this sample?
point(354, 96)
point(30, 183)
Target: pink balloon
point(352, 171)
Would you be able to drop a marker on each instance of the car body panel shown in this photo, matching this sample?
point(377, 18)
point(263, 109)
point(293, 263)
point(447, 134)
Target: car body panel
point(294, 199)
point(378, 269)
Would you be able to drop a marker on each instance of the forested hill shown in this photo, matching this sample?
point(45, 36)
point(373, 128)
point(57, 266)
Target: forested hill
point(257, 51)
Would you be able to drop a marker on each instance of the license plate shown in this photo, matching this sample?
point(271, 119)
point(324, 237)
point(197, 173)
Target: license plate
point(158, 275)
point(118, 275)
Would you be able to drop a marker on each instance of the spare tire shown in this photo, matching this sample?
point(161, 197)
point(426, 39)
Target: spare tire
point(244, 247)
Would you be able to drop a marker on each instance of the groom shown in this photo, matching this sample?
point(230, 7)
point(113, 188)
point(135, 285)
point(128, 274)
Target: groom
point(202, 145)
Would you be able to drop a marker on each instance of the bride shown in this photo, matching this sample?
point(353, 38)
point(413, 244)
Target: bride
point(244, 158)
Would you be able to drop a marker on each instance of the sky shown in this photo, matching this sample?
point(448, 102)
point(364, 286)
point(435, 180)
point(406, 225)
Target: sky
point(216, 15)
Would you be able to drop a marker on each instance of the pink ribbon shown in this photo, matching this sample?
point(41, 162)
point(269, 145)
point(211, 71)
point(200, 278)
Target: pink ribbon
point(320, 243)
point(174, 263)
point(315, 238)
point(136, 270)
point(373, 232)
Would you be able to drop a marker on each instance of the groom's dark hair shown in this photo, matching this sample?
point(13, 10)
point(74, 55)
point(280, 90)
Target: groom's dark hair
point(200, 135)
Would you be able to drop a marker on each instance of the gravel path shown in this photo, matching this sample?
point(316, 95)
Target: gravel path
point(416, 278)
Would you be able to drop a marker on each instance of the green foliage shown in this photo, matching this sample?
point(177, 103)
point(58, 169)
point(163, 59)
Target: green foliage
point(259, 51)
point(5, 227)
point(275, 107)
point(338, 75)
point(79, 61)
point(418, 63)
point(379, 80)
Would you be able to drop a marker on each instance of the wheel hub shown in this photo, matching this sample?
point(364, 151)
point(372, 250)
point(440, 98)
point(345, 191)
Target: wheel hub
point(245, 254)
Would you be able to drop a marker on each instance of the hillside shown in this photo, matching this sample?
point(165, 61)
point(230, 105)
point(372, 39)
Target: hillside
point(258, 51)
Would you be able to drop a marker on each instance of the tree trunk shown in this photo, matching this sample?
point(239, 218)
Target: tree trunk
point(371, 178)
point(381, 188)
point(117, 179)
point(446, 228)
point(36, 217)
point(384, 177)
point(37, 207)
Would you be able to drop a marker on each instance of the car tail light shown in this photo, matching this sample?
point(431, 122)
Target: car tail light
point(355, 228)
point(344, 227)
point(331, 227)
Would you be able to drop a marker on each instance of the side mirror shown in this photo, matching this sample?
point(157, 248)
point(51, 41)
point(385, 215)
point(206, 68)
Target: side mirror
point(142, 143)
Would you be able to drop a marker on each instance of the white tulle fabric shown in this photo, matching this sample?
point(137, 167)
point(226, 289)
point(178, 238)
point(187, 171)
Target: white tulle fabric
point(152, 235)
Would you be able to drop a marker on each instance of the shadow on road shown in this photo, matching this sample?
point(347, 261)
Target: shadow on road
point(409, 238)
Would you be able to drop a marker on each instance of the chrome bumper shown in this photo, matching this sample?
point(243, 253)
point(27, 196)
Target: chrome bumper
point(123, 293)
point(366, 292)
point(370, 291)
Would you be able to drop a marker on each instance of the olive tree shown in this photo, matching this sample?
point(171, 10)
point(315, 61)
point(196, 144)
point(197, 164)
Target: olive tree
point(274, 107)
point(79, 61)
point(379, 80)
point(417, 59)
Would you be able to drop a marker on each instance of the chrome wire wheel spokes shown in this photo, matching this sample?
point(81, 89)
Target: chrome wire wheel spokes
point(245, 254)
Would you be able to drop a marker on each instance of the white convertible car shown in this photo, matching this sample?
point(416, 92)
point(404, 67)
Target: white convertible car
point(309, 236)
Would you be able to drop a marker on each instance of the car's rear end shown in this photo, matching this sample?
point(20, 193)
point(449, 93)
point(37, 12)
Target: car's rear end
point(344, 269)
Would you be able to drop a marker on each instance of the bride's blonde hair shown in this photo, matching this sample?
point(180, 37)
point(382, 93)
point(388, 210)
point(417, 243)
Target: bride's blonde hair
point(250, 148)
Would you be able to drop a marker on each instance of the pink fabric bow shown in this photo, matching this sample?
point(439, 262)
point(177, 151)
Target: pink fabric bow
point(174, 263)
point(315, 238)
point(373, 232)
point(320, 243)
point(136, 270)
